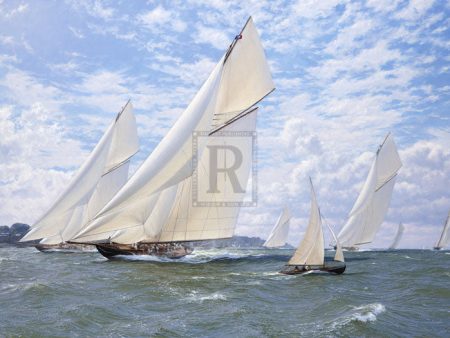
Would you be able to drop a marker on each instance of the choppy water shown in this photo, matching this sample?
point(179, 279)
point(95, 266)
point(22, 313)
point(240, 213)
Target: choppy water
point(222, 293)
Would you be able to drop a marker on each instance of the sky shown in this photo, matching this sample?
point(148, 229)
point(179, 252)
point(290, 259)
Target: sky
point(346, 73)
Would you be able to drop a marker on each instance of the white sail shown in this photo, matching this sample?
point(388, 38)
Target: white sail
point(339, 255)
point(311, 250)
point(280, 231)
point(172, 216)
point(373, 202)
point(398, 236)
point(170, 164)
point(443, 240)
point(100, 177)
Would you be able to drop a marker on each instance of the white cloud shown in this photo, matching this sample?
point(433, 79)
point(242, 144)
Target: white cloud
point(159, 18)
point(33, 149)
point(415, 9)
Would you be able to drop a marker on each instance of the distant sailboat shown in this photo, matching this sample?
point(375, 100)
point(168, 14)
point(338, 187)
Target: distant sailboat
point(398, 237)
point(103, 173)
point(280, 231)
point(372, 204)
point(154, 212)
point(310, 254)
point(443, 240)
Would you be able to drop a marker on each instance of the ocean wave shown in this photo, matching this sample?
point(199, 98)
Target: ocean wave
point(198, 298)
point(362, 314)
point(24, 287)
point(368, 313)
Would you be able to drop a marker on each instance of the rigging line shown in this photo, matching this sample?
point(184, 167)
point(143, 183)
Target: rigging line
point(390, 179)
point(243, 113)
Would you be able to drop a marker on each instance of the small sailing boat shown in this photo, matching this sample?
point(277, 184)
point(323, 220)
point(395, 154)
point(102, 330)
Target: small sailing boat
point(443, 240)
point(280, 231)
point(154, 213)
point(373, 201)
point(103, 173)
point(310, 254)
point(398, 237)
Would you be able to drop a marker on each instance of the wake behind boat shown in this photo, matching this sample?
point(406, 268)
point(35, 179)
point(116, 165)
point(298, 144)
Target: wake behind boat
point(310, 254)
point(65, 247)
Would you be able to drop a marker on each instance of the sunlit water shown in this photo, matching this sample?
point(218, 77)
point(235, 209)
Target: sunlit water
point(219, 293)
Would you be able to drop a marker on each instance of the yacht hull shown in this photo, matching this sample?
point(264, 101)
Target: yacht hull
point(334, 267)
point(168, 250)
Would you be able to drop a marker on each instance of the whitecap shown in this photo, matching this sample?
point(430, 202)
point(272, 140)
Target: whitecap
point(368, 313)
point(198, 298)
point(363, 314)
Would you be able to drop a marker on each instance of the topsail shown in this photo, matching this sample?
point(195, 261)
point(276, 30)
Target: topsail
point(96, 182)
point(156, 205)
point(373, 201)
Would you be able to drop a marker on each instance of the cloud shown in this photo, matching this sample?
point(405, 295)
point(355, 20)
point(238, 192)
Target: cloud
point(159, 18)
point(34, 166)
point(13, 12)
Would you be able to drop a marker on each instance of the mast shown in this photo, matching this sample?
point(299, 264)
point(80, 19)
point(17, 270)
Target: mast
point(311, 249)
point(98, 179)
point(398, 236)
point(373, 201)
point(280, 231)
point(443, 240)
point(224, 103)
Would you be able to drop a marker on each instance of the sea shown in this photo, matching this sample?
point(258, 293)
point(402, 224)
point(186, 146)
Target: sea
point(222, 293)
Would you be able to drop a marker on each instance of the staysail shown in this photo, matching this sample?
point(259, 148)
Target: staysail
point(398, 236)
point(443, 240)
point(311, 250)
point(280, 231)
point(156, 205)
point(373, 201)
point(96, 182)
point(339, 255)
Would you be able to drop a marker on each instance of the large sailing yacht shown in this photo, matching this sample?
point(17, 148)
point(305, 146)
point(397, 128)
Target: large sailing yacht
point(154, 212)
point(373, 201)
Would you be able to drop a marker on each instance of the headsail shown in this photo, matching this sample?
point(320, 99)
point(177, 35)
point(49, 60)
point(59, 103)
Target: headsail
point(398, 236)
point(373, 201)
point(99, 178)
point(339, 255)
point(443, 240)
point(311, 250)
point(224, 102)
point(280, 231)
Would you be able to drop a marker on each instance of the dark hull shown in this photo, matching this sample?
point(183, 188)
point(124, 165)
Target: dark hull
point(334, 267)
point(64, 247)
point(168, 250)
point(437, 248)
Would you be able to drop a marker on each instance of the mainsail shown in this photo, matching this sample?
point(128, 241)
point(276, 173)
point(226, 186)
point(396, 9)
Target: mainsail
point(156, 205)
point(373, 201)
point(280, 231)
point(398, 236)
point(311, 250)
point(443, 240)
point(100, 177)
